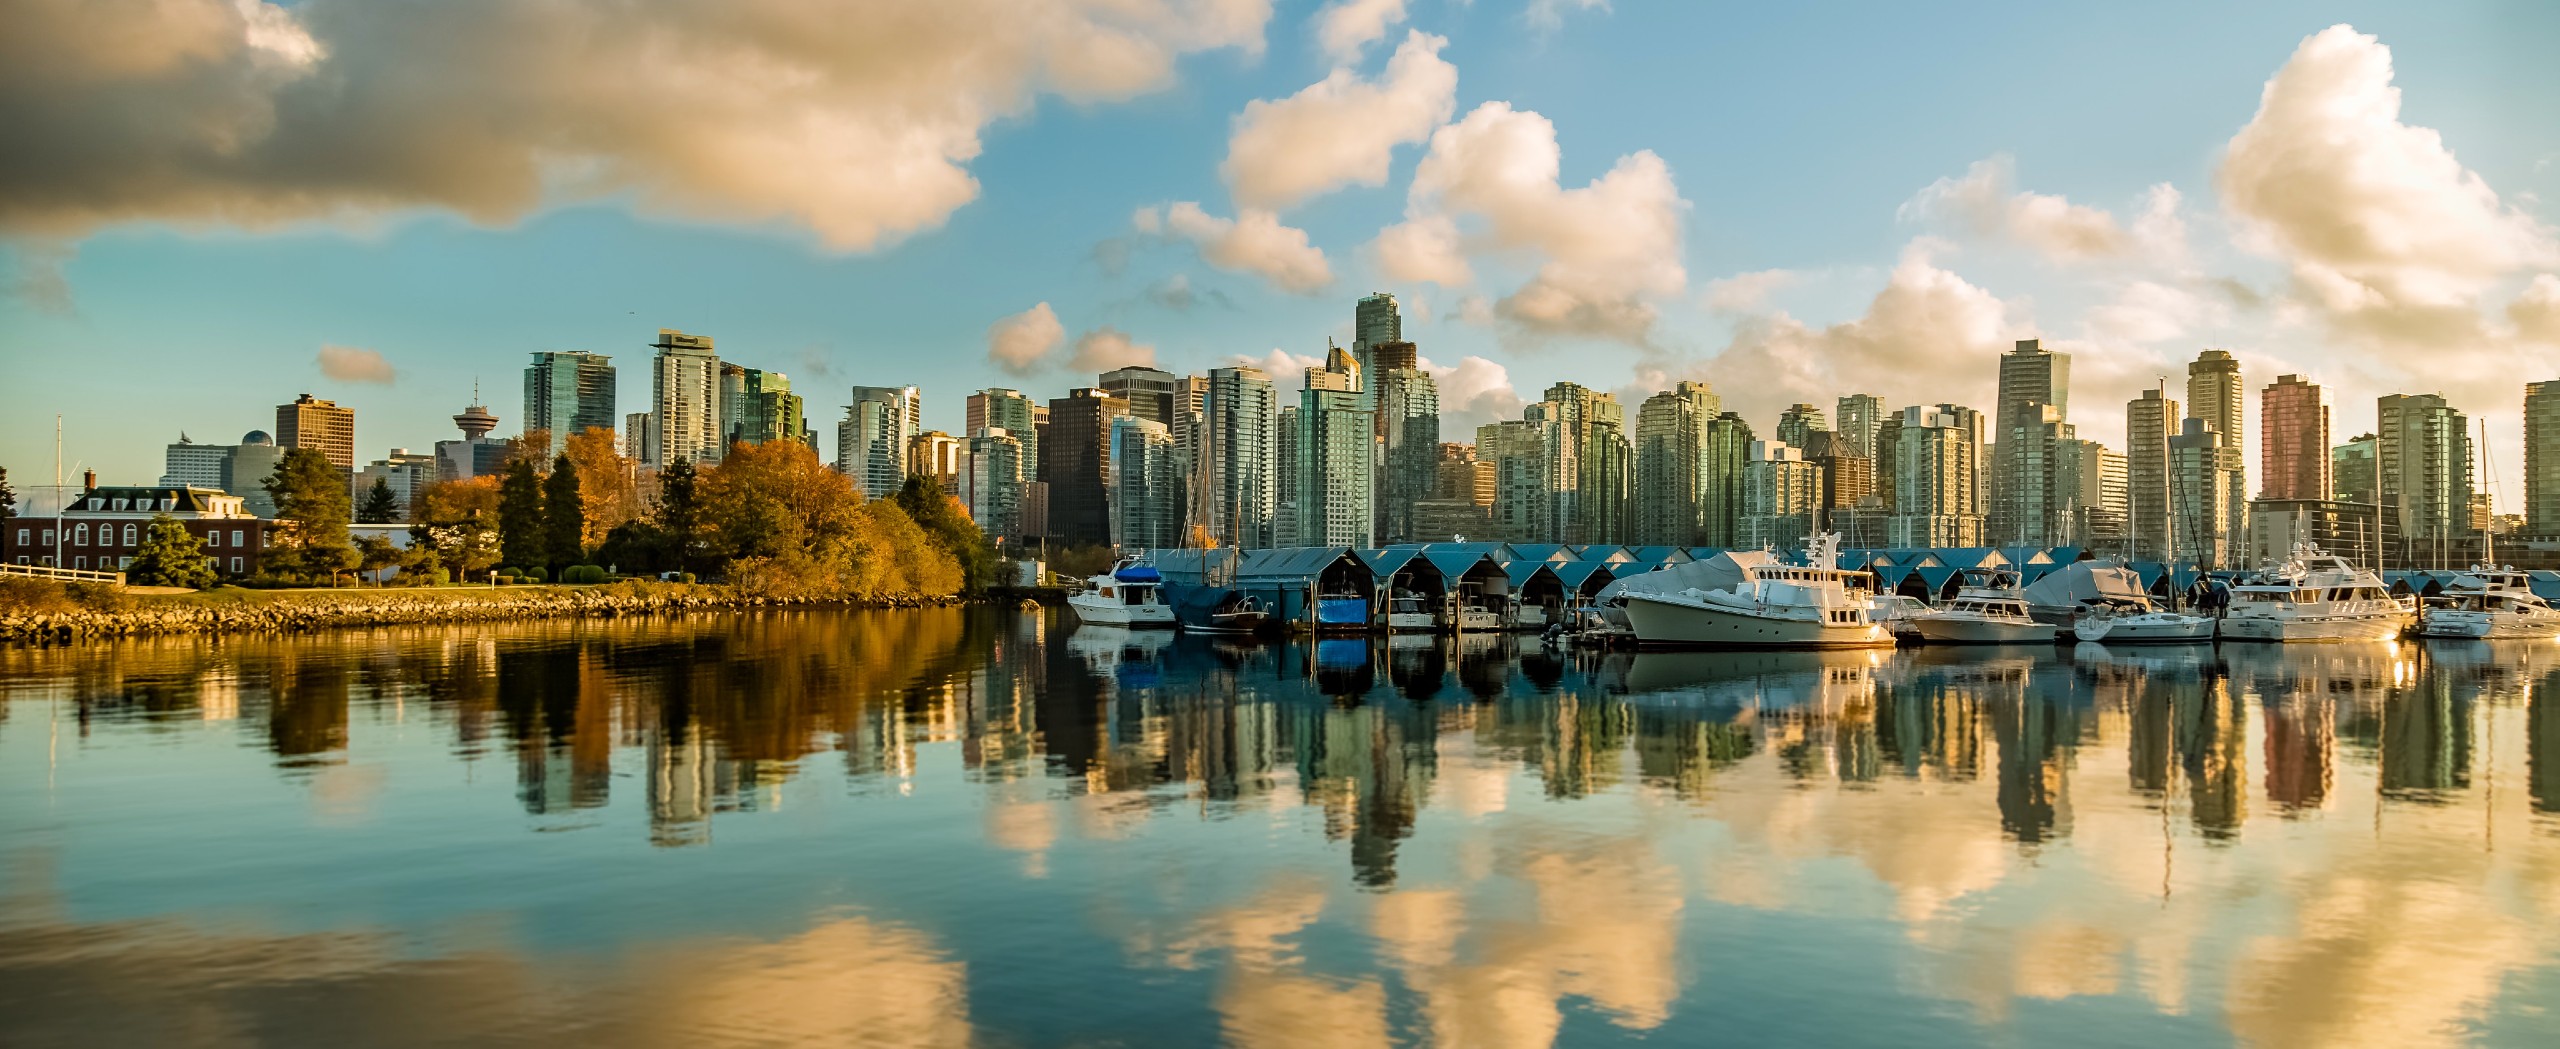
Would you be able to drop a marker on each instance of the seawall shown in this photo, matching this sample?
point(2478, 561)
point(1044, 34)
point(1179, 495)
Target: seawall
point(292, 611)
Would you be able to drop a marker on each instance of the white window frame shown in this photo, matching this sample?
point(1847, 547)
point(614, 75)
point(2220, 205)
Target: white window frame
point(238, 565)
point(235, 537)
point(80, 533)
point(132, 536)
point(23, 533)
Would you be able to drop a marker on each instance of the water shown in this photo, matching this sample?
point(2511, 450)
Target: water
point(977, 827)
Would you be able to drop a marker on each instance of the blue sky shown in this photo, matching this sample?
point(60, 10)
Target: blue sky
point(1798, 139)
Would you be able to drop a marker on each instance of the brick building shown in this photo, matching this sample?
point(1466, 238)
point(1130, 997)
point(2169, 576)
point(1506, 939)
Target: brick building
point(100, 530)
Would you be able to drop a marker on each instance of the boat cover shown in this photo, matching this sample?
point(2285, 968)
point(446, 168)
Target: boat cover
point(1138, 574)
point(2081, 582)
point(1723, 571)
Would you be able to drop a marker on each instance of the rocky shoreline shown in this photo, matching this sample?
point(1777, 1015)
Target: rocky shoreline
point(303, 611)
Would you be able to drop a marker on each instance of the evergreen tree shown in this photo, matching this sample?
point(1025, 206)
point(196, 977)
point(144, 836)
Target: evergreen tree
point(564, 515)
point(170, 556)
point(520, 524)
point(8, 497)
point(380, 506)
point(680, 514)
point(310, 492)
point(375, 553)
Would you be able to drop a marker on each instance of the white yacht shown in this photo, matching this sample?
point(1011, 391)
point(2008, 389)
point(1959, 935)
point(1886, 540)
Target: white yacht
point(2134, 624)
point(1477, 619)
point(1987, 610)
point(1130, 595)
point(2490, 602)
point(1409, 613)
point(1770, 605)
point(2315, 597)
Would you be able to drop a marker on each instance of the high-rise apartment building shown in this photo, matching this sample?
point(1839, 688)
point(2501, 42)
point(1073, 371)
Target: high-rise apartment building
point(2201, 487)
point(635, 436)
point(1461, 500)
point(1781, 496)
point(1285, 479)
point(2214, 394)
point(2092, 481)
point(1589, 462)
point(1409, 447)
point(684, 402)
point(568, 392)
point(1937, 476)
point(936, 456)
point(2353, 475)
point(2422, 468)
point(1848, 479)
point(2149, 421)
point(991, 482)
point(2293, 440)
point(757, 406)
point(1076, 463)
point(1336, 465)
point(197, 465)
point(1017, 415)
point(2032, 379)
point(1149, 391)
point(1720, 481)
point(2542, 459)
point(1798, 424)
point(1375, 321)
point(1669, 489)
point(1145, 490)
point(1522, 492)
point(871, 441)
point(2037, 506)
point(1238, 486)
point(1856, 418)
point(319, 425)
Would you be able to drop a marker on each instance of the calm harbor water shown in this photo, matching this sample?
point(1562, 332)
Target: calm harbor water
point(981, 827)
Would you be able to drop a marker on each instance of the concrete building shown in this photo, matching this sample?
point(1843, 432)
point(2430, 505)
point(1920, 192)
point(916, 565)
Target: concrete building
point(2201, 488)
point(2032, 380)
point(1016, 414)
point(1848, 479)
point(1669, 488)
point(1856, 418)
point(684, 401)
point(187, 464)
point(635, 437)
point(2423, 471)
point(406, 473)
point(2149, 421)
point(1408, 421)
point(2342, 528)
point(1145, 510)
point(1937, 476)
point(1781, 497)
point(1076, 464)
point(1720, 481)
point(1285, 478)
point(320, 425)
point(1151, 393)
point(568, 392)
point(1375, 321)
point(991, 481)
point(2093, 482)
point(757, 406)
point(1237, 470)
point(871, 442)
point(1335, 466)
point(1798, 423)
point(936, 455)
point(1589, 461)
point(1461, 499)
point(1523, 494)
point(2214, 394)
point(475, 455)
point(2542, 459)
point(2293, 440)
point(2353, 474)
point(254, 460)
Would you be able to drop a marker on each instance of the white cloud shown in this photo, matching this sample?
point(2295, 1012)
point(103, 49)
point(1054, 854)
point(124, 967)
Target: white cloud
point(2536, 313)
point(1286, 369)
point(854, 122)
point(1346, 26)
point(355, 364)
point(1474, 392)
point(1748, 292)
point(2148, 312)
point(1603, 251)
point(1019, 344)
point(1107, 348)
point(2384, 231)
point(1253, 242)
point(1341, 130)
point(1985, 202)
point(1547, 16)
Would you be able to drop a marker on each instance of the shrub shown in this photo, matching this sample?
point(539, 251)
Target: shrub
point(582, 574)
point(686, 577)
point(536, 574)
point(97, 597)
point(22, 596)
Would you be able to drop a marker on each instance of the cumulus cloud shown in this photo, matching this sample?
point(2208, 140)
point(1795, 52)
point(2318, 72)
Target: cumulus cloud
point(2384, 231)
point(1341, 130)
point(1474, 392)
point(2536, 313)
point(1285, 369)
point(1346, 26)
point(1603, 251)
point(1106, 348)
point(1019, 344)
point(355, 364)
point(1253, 242)
point(854, 122)
point(1985, 201)
point(2149, 312)
point(1748, 292)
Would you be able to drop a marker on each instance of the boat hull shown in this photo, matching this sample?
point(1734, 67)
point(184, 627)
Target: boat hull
point(2488, 626)
point(2364, 626)
point(1103, 611)
point(1412, 622)
point(2146, 630)
point(1936, 630)
point(1670, 622)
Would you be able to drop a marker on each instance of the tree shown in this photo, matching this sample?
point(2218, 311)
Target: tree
point(170, 556)
point(458, 521)
point(680, 515)
point(310, 493)
point(948, 524)
point(520, 542)
point(8, 497)
point(606, 491)
point(380, 506)
point(375, 553)
point(564, 517)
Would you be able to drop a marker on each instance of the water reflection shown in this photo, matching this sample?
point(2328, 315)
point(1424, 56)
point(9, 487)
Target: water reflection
point(1038, 833)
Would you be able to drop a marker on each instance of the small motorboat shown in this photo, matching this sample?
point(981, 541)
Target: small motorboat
point(1409, 613)
point(1988, 610)
point(1240, 615)
point(2128, 624)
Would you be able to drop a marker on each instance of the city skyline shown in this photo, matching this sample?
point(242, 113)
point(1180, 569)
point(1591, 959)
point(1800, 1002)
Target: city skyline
point(2001, 230)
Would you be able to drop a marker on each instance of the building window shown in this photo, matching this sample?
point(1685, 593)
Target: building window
point(80, 563)
point(238, 566)
point(120, 504)
point(48, 537)
point(213, 539)
point(169, 504)
point(121, 562)
point(22, 536)
point(131, 537)
point(80, 536)
point(235, 538)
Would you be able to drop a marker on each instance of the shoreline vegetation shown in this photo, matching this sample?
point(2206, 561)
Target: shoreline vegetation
point(91, 615)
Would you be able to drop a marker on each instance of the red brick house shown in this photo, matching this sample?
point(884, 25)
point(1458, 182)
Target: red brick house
point(102, 528)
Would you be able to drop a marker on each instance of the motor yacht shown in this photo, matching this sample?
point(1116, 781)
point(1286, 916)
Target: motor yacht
point(1770, 605)
point(1409, 613)
point(1477, 619)
point(2490, 602)
point(1130, 595)
point(2128, 623)
point(2315, 596)
point(1987, 610)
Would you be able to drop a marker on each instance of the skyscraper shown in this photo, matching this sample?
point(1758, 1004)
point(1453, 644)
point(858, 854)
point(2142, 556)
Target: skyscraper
point(1285, 435)
point(2542, 459)
point(1522, 494)
point(568, 392)
point(936, 455)
point(635, 436)
point(2293, 431)
point(1720, 481)
point(2423, 470)
point(684, 411)
point(475, 454)
point(2092, 480)
point(1149, 391)
point(1238, 433)
point(1336, 480)
point(2214, 394)
point(871, 441)
point(1018, 416)
point(2352, 473)
point(2030, 456)
point(1076, 463)
point(2032, 378)
point(991, 482)
point(1781, 496)
point(1409, 429)
point(1856, 419)
point(2201, 486)
point(197, 465)
point(758, 406)
point(1144, 489)
point(1461, 500)
point(1669, 489)
point(1375, 321)
point(1937, 476)
point(1588, 463)
point(2149, 421)
point(1796, 425)
point(319, 425)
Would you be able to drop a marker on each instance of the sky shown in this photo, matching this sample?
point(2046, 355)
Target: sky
point(210, 206)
